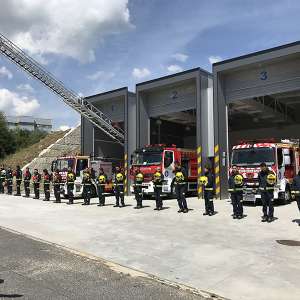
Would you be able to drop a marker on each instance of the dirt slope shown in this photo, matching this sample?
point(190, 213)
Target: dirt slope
point(26, 155)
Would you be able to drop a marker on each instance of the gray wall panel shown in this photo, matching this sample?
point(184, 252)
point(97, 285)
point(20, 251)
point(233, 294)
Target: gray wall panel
point(263, 79)
point(171, 99)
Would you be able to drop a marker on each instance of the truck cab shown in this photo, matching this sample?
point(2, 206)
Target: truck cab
point(281, 157)
point(152, 156)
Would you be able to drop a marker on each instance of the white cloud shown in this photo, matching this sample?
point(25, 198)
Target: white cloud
point(180, 57)
point(214, 59)
point(72, 28)
point(64, 127)
point(101, 75)
point(140, 73)
point(25, 87)
point(12, 103)
point(4, 72)
point(174, 69)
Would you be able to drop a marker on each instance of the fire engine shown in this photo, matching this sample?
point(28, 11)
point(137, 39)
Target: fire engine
point(79, 163)
point(152, 156)
point(281, 157)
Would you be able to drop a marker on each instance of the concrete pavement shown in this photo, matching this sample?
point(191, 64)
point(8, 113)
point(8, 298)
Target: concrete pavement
point(30, 269)
point(237, 259)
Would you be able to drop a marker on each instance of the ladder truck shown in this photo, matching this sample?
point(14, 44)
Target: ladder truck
point(79, 104)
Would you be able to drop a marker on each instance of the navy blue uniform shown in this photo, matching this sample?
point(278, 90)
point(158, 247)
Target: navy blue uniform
point(158, 179)
point(70, 186)
point(2, 180)
point(9, 181)
point(36, 178)
point(119, 189)
point(296, 190)
point(180, 184)
point(27, 178)
point(101, 183)
point(236, 195)
point(267, 194)
point(138, 189)
point(209, 192)
point(18, 175)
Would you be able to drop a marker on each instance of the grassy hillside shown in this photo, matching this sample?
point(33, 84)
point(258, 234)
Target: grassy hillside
point(26, 155)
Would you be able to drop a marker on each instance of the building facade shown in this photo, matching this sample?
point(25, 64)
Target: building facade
point(29, 123)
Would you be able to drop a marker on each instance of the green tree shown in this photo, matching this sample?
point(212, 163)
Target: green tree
point(7, 139)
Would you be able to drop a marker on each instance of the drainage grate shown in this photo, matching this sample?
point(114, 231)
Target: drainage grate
point(288, 242)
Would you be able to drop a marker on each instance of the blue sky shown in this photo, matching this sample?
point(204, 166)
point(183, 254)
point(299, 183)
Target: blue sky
point(108, 44)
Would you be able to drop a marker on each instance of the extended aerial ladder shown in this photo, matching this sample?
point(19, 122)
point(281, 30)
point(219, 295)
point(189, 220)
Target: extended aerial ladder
point(80, 104)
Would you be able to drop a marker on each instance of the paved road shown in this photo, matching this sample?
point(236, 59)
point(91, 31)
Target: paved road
point(237, 259)
point(30, 269)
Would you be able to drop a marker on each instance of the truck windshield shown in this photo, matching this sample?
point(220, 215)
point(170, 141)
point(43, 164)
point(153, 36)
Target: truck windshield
point(146, 158)
point(64, 164)
point(253, 156)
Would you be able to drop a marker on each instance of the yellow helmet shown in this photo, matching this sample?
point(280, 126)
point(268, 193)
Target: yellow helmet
point(119, 177)
point(70, 176)
point(179, 176)
point(238, 179)
point(139, 176)
point(203, 180)
point(101, 179)
point(271, 179)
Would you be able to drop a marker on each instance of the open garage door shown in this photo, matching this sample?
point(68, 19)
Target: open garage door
point(257, 115)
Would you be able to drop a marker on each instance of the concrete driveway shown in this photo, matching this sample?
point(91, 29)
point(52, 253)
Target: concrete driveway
point(237, 259)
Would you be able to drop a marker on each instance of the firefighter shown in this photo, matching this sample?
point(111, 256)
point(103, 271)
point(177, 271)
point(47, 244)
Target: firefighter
point(180, 183)
point(27, 178)
point(157, 180)
point(36, 178)
point(9, 181)
point(295, 189)
point(138, 188)
point(2, 179)
point(56, 181)
point(101, 182)
point(267, 180)
point(209, 191)
point(18, 175)
point(87, 184)
point(47, 181)
point(119, 180)
point(235, 184)
point(70, 185)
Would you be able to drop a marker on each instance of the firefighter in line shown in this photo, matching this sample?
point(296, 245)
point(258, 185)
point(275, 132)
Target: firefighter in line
point(235, 184)
point(157, 180)
point(267, 180)
point(101, 182)
point(18, 175)
point(2, 179)
point(70, 185)
point(87, 185)
point(27, 178)
point(180, 183)
point(47, 180)
point(295, 190)
point(138, 188)
point(9, 181)
point(119, 180)
point(36, 179)
point(56, 181)
point(209, 191)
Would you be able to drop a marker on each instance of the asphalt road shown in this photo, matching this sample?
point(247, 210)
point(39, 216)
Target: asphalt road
point(31, 269)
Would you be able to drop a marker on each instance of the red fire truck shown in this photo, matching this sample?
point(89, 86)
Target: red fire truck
point(152, 156)
point(78, 163)
point(281, 157)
